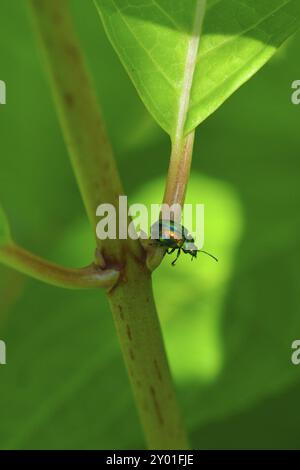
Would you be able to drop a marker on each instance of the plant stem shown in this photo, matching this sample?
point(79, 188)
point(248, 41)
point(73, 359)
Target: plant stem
point(131, 299)
point(176, 185)
point(182, 145)
point(142, 344)
point(86, 278)
point(78, 111)
point(179, 170)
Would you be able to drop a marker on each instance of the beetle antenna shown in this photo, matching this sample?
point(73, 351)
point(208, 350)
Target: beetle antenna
point(209, 254)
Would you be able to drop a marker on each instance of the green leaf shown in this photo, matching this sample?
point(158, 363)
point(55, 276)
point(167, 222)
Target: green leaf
point(65, 385)
point(4, 228)
point(180, 78)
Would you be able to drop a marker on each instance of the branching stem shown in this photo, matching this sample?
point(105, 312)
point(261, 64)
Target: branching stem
point(86, 278)
point(131, 299)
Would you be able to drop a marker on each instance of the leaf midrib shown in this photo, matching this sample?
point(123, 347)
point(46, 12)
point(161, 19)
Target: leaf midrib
point(189, 70)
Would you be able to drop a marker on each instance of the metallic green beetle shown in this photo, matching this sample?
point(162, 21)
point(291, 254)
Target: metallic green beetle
point(174, 236)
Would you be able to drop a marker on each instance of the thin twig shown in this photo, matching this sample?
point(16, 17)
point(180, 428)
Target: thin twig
point(25, 262)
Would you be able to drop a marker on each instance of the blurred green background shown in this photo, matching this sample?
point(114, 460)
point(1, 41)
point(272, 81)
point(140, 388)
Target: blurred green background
point(228, 327)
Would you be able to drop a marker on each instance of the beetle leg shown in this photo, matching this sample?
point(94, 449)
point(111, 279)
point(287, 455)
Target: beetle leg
point(178, 254)
point(171, 250)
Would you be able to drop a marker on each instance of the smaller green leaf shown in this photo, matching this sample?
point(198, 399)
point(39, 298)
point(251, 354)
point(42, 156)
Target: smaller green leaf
point(4, 228)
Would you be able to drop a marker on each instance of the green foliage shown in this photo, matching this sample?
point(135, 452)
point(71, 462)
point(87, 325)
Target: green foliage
point(4, 228)
point(152, 40)
point(234, 376)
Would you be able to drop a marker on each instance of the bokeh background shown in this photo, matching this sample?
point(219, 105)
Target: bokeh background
point(228, 326)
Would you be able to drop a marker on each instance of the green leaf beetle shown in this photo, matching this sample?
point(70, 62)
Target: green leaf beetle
point(173, 236)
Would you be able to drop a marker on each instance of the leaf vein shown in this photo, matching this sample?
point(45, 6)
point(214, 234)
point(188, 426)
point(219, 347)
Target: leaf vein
point(242, 33)
point(161, 71)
